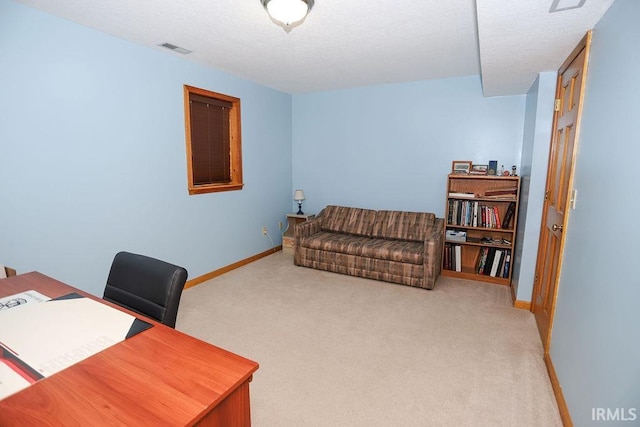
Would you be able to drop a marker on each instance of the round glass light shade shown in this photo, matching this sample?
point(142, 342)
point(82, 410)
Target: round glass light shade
point(288, 11)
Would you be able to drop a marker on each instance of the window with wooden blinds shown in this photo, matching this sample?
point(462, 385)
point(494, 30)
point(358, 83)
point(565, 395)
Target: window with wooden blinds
point(212, 123)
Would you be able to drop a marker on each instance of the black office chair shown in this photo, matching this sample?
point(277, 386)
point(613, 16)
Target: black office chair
point(146, 285)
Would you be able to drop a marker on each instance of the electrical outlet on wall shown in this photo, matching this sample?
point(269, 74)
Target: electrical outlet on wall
point(264, 230)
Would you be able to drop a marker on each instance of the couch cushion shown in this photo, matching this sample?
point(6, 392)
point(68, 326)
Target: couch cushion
point(394, 250)
point(412, 226)
point(389, 250)
point(342, 219)
point(335, 242)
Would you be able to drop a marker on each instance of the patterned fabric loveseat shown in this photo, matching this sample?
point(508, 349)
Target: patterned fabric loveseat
point(394, 246)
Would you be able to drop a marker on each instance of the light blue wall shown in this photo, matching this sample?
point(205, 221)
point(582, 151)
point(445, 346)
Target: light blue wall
point(92, 161)
point(595, 344)
point(92, 155)
point(391, 146)
point(533, 173)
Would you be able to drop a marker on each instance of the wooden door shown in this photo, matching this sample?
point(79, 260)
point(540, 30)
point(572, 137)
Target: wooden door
point(562, 154)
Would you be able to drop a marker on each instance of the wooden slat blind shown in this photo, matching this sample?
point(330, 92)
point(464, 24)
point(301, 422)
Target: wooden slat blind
point(210, 140)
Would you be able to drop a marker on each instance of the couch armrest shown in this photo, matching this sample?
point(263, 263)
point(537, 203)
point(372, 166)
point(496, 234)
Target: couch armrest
point(436, 232)
point(433, 253)
point(301, 231)
point(305, 229)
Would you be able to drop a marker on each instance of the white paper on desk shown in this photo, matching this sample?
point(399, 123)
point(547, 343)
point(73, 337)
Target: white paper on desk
point(54, 335)
point(10, 381)
point(26, 297)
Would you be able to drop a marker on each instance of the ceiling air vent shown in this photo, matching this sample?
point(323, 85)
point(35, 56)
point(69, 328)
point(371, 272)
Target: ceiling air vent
point(175, 48)
point(560, 5)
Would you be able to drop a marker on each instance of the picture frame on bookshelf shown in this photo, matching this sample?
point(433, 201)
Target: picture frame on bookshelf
point(460, 166)
point(479, 169)
point(493, 167)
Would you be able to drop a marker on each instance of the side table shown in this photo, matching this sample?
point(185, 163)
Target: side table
point(288, 237)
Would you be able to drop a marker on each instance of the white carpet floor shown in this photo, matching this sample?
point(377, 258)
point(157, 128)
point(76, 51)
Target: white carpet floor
point(336, 350)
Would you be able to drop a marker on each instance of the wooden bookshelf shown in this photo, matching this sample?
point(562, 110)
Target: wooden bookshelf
point(477, 207)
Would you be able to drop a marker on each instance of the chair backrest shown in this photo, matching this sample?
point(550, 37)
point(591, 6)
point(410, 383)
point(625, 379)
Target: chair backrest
point(146, 285)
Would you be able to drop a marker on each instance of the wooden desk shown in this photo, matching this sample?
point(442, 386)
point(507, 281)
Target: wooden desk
point(158, 377)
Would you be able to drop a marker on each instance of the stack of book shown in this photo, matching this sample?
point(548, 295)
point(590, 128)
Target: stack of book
point(501, 193)
point(452, 257)
point(494, 262)
point(470, 213)
point(462, 194)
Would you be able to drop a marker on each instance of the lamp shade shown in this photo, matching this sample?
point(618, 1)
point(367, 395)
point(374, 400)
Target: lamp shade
point(288, 11)
point(298, 195)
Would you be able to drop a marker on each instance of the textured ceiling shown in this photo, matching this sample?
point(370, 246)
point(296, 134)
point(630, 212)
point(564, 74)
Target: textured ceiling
point(520, 38)
point(352, 43)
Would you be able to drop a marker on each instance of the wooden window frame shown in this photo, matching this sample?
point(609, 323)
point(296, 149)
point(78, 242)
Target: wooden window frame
point(235, 143)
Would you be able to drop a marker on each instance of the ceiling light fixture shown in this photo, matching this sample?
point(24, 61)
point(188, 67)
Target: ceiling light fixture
point(288, 13)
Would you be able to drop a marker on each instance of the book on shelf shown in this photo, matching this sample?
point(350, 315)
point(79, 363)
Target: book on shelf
point(507, 262)
point(461, 195)
point(502, 197)
point(483, 223)
point(497, 217)
point(491, 262)
point(501, 191)
point(482, 259)
point(495, 267)
point(452, 257)
point(446, 263)
point(508, 215)
point(489, 214)
point(475, 214)
point(486, 217)
point(467, 213)
point(491, 252)
point(463, 213)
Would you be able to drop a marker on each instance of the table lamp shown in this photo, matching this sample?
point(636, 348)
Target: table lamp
point(298, 196)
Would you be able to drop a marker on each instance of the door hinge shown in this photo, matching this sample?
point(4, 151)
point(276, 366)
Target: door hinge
point(556, 106)
point(546, 195)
